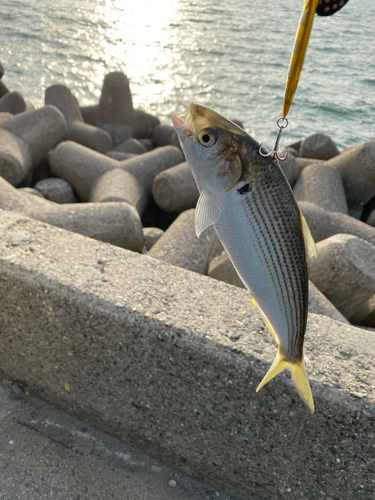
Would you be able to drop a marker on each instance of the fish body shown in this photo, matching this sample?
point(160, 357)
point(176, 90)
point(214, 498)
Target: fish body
point(252, 207)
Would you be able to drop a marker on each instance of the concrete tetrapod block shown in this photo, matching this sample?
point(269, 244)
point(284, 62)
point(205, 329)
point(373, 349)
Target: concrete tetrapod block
point(321, 184)
point(371, 219)
point(90, 113)
point(147, 166)
point(115, 223)
point(368, 209)
point(26, 139)
point(147, 143)
point(221, 268)
point(180, 246)
point(5, 116)
point(290, 169)
point(3, 89)
point(324, 224)
point(78, 131)
point(293, 166)
point(175, 189)
point(357, 168)
point(119, 185)
point(29, 190)
point(82, 167)
point(115, 110)
point(302, 163)
point(162, 135)
point(144, 124)
point(296, 146)
point(168, 361)
point(152, 235)
point(118, 156)
point(57, 190)
point(12, 102)
point(132, 146)
point(318, 146)
point(345, 272)
point(365, 314)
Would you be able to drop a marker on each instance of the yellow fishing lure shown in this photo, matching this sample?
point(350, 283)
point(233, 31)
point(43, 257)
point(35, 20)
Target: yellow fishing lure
point(299, 51)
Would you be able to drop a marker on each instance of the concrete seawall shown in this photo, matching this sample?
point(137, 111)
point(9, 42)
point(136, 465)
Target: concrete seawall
point(168, 361)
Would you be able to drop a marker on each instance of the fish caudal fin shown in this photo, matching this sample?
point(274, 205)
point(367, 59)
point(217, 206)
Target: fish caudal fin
point(299, 378)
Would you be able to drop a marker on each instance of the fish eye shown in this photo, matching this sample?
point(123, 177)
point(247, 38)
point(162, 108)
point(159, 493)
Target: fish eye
point(208, 137)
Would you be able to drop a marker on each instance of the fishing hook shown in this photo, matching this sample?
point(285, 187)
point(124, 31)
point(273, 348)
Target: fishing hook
point(274, 152)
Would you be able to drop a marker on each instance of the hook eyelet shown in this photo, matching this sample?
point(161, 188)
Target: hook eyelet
point(274, 154)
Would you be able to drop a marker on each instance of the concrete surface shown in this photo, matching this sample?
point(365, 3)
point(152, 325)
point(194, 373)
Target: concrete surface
point(168, 361)
point(44, 453)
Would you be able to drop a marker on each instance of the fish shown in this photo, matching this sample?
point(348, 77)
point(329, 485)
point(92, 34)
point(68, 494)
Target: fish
point(249, 201)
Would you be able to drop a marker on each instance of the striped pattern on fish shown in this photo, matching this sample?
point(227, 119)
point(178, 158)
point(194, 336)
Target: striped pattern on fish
point(269, 256)
point(249, 201)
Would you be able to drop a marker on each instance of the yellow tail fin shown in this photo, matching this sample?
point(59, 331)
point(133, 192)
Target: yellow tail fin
point(299, 377)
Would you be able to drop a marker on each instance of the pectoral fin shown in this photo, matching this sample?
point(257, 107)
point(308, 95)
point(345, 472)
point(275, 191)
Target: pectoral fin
point(310, 247)
point(299, 377)
point(207, 212)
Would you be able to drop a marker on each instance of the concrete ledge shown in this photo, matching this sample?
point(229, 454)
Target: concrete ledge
point(168, 361)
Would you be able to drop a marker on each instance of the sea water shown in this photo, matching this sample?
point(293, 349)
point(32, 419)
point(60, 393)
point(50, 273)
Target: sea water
point(230, 55)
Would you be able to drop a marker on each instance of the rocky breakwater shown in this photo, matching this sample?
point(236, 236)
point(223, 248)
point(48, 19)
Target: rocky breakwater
point(116, 174)
point(183, 349)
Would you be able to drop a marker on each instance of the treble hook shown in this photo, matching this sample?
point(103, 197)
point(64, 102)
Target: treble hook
point(274, 152)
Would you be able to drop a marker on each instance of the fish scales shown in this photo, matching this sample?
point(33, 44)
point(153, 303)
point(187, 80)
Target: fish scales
point(267, 243)
point(251, 204)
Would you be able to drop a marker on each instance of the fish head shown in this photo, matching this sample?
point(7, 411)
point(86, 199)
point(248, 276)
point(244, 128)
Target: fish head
point(212, 146)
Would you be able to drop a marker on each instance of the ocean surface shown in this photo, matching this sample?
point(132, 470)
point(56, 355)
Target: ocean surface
point(230, 55)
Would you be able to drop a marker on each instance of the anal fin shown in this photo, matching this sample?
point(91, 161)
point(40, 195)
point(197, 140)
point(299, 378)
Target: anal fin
point(266, 320)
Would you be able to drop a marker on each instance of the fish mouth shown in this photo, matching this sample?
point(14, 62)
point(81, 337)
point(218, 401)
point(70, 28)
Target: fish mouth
point(178, 120)
point(181, 124)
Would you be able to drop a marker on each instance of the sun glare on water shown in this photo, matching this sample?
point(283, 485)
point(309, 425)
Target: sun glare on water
point(137, 39)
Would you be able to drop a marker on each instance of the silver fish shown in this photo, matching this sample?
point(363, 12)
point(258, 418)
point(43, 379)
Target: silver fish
point(252, 207)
